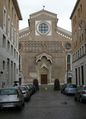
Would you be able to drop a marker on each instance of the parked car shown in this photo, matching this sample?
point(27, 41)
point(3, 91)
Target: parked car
point(63, 88)
point(25, 92)
point(69, 89)
point(32, 88)
point(11, 97)
point(80, 94)
point(29, 89)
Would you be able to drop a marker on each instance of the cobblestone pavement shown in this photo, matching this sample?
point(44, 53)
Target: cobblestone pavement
point(48, 105)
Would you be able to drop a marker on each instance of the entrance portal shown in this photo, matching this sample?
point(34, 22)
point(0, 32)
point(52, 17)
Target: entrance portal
point(44, 79)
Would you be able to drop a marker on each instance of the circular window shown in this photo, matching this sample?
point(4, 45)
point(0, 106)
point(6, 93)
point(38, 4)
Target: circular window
point(68, 46)
point(43, 28)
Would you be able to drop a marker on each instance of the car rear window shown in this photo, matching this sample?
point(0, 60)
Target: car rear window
point(23, 88)
point(8, 91)
point(72, 86)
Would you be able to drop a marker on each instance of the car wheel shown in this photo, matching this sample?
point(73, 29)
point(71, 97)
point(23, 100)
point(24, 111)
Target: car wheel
point(75, 98)
point(23, 104)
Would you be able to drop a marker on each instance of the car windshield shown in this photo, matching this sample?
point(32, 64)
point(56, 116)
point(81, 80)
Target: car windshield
point(8, 91)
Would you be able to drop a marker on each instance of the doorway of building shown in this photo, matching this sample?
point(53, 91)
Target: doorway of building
point(44, 79)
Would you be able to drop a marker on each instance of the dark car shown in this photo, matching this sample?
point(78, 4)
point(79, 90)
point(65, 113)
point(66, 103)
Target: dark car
point(80, 94)
point(11, 97)
point(25, 92)
point(32, 88)
point(63, 88)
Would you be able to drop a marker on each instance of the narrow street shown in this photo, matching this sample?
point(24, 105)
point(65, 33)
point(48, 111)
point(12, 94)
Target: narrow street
point(48, 105)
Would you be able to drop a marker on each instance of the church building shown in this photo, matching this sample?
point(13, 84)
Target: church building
point(45, 49)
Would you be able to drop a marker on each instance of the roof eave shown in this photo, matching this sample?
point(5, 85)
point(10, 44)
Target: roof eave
point(74, 8)
point(16, 5)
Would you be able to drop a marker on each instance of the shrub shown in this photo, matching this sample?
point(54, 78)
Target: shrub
point(36, 84)
point(56, 84)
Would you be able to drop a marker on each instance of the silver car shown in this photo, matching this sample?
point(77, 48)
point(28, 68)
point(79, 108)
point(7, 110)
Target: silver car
point(70, 89)
point(11, 97)
point(80, 93)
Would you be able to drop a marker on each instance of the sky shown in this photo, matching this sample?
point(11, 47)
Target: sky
point(63, 9)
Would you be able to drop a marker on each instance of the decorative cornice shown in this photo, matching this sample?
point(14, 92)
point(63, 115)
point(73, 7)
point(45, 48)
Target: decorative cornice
point(64, 33)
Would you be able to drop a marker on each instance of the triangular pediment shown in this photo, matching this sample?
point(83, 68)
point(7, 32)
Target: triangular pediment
point(45, 12)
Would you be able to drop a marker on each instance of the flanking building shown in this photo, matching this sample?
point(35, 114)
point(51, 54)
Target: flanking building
point(78, 19)
point(9, 38)
point(45, 49)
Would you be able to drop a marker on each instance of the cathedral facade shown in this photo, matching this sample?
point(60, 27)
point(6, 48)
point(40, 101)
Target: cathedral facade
point(45, 49)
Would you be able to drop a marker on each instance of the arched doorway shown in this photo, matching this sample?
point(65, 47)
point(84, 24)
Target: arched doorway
point(44, 75)
point(43, 67)
point(44, 79)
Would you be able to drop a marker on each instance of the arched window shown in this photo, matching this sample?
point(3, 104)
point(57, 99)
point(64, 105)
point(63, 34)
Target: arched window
point(69, 62)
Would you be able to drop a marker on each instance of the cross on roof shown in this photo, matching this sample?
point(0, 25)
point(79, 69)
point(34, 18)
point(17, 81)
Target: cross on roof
point(43, 7)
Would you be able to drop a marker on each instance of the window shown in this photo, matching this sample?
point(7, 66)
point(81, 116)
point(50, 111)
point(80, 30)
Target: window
point(43, 28)
point(14, 53)
point(8, 26)
point(79, 74)
point(85, 48)
point(3, 65)
point(12, 13)
point(78, 54)
point(17, 41)
point(11, 50)
point(82, 50)
point(14, 37)
point(82, 37)
point(17, 23)
point(4, 42)
point(12, 33)
point(9, 5)
point(81, 8)
point(8, 46)
point(68, 62)
point(78, 12)
point(82, 74)
point(20, 45)
point(67, 46)
point(4, 19)
point(76, 76)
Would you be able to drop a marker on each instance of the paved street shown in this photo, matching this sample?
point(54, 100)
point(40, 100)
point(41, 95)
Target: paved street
point(48, 105)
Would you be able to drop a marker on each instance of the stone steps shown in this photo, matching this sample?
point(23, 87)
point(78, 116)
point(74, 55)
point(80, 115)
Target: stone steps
point(46, 87)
